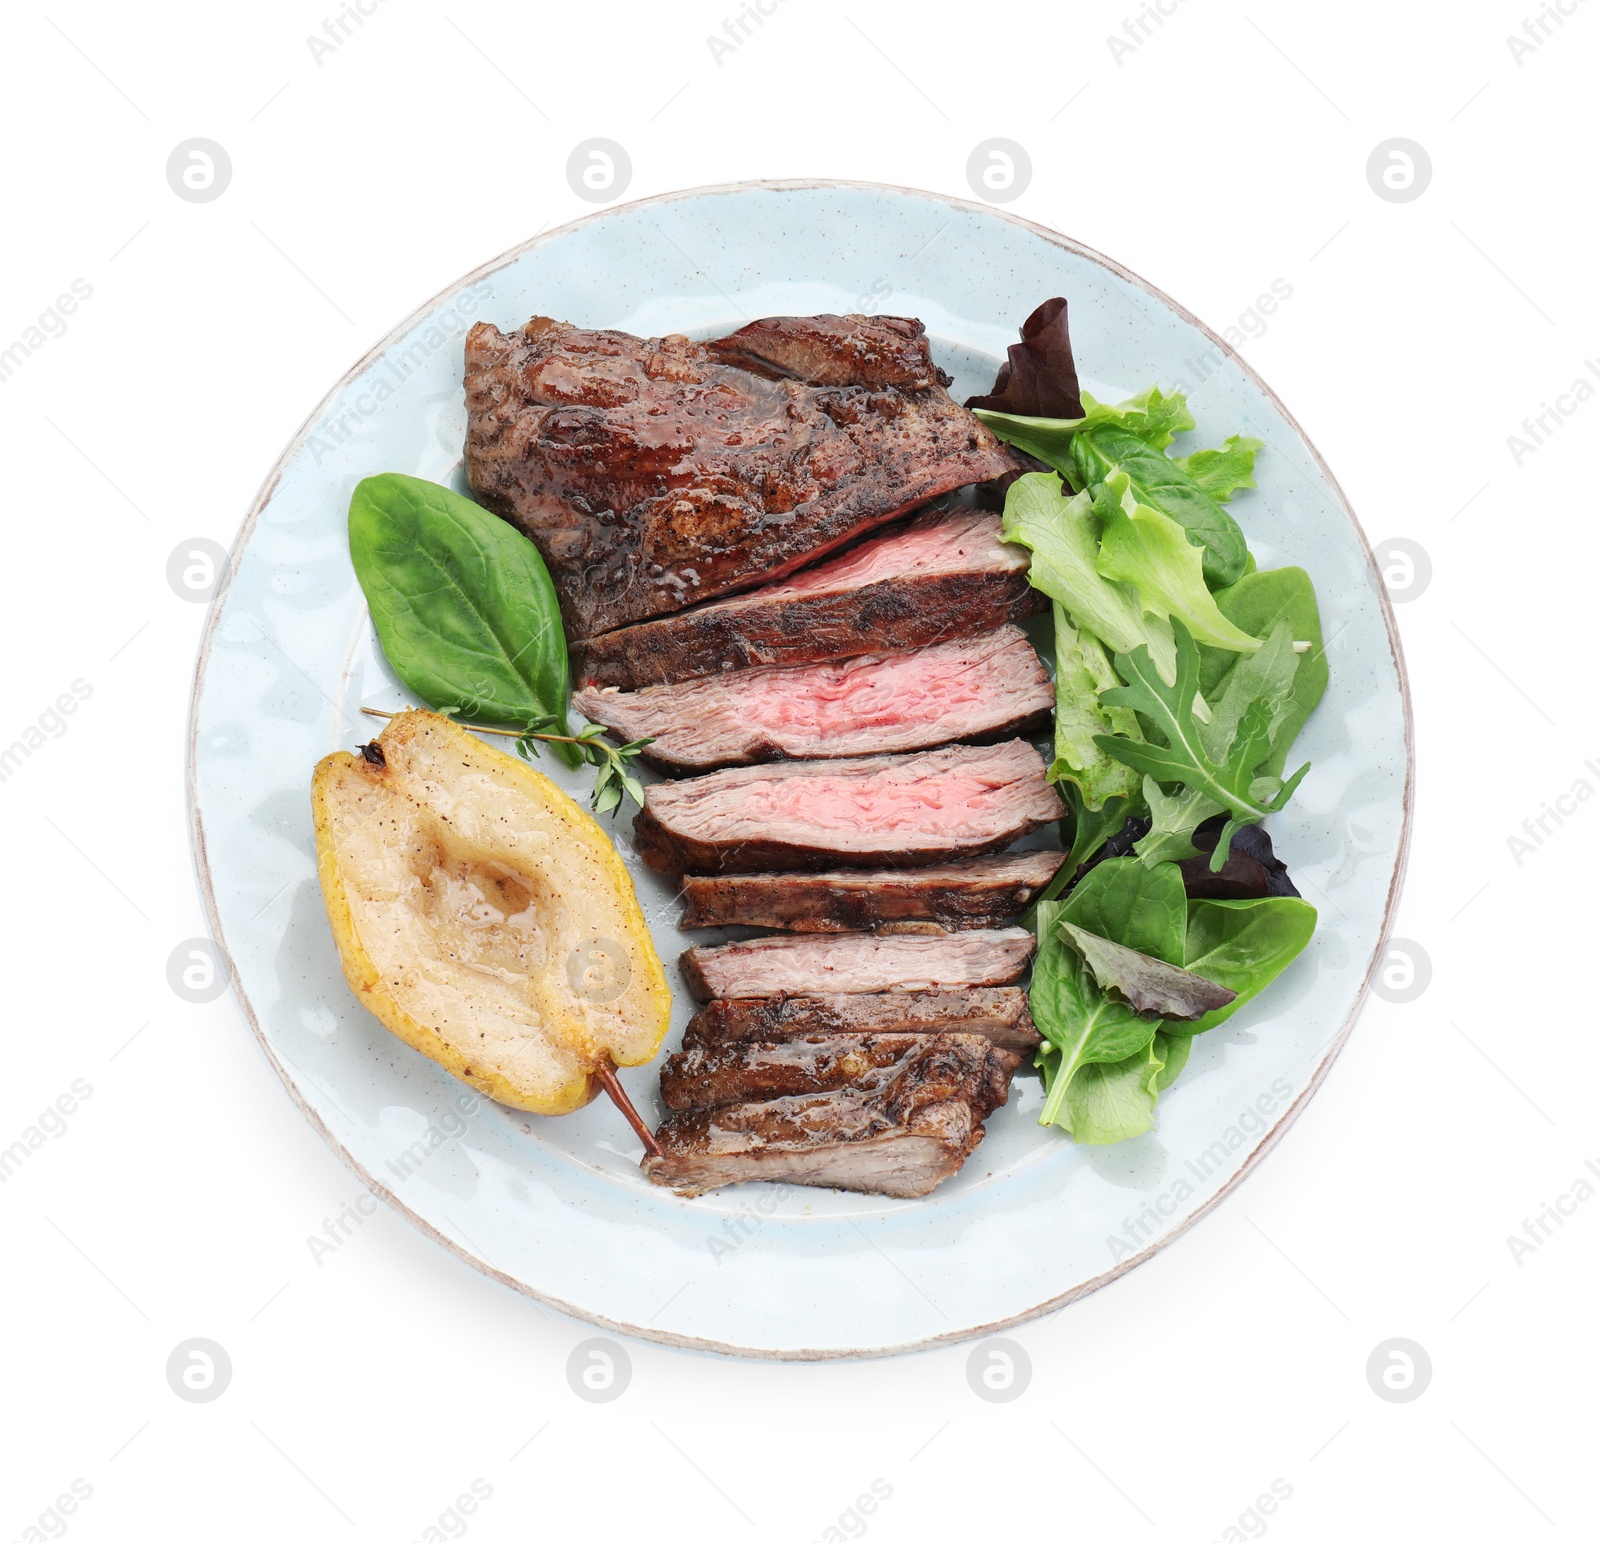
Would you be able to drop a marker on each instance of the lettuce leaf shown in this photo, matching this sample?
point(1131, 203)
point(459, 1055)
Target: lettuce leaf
point(1149, 986)
point(1142, 547)
point(1064, 536)
point(1221, 473)
point(1115, 1101)
point(1082, 672)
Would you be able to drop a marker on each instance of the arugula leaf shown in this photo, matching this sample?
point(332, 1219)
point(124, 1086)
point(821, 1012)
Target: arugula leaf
point(1256, 604)
point(1149, 986)
point(1081, 1026)
point(462, 601)
point(1108, 1102)
point(1082, 673)
point(1141, 546)
point(1244, 945)
point(1173, 819)
point(1064, 536)
point(1229, 780)
point(1221, 473)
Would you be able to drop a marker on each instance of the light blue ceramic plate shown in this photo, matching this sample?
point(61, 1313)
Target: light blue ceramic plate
point(557, 1208)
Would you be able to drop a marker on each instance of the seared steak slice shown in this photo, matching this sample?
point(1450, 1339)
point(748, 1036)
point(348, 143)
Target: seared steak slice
point(945, 573)
point(880, 811)
point(976, 893)
point(902, 1138)
point(1000, 1014)
point(984, 688)
point(798, 965)
point(705, 1076)
point(654, 472)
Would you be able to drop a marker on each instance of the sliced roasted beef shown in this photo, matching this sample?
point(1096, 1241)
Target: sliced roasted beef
point(705, 1076)
point(999, 1014)
point(976, 893)
point(880, 811)
point(797, 964)
point(902, 1138)
point(945, 573)
point(983, 688)
point(655, 472)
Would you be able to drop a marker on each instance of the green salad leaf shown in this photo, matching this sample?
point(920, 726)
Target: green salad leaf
point(1132, 437)
point(463, 604)
point(1150, 986)
point(1221, 473)
point(1114, 1101)
point(1243, 945)
point(1142, 547)
point(1230, 778)
point(1256, 604)
point(1082, 672)
point(1064, 536)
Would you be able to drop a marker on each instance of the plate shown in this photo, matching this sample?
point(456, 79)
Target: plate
point(557, 1208)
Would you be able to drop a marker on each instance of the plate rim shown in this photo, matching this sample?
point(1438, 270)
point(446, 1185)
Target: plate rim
point(202, 865)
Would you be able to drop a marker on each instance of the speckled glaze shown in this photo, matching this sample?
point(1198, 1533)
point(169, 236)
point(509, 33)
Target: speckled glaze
point(557, 1208)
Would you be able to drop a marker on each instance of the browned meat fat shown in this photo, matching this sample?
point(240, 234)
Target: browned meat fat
point(655, 472)
point(984, 688)
point(944, 573)
point(901, 1138)
point(796, 964)
point(978, 892)
point(999, 1014)
point(901, 811)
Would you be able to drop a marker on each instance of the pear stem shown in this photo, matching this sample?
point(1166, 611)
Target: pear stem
point(608, 1076)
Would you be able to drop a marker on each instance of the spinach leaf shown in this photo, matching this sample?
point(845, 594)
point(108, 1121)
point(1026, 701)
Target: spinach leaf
point(1064, 536)
point(1114, 1101)
point(463, 604)
point(1256, 604)
point(1142, 547)
point(1244, 945)
point(1081, 1026)
point(1139, 907)
point(1082, 673)
point(1150, 986)
point(1229, 781)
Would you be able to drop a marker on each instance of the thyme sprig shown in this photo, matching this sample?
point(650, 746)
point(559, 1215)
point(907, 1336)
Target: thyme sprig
point(613, 761)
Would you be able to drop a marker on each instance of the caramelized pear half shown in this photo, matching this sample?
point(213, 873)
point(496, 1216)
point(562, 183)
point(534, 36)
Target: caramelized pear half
point(483, 917)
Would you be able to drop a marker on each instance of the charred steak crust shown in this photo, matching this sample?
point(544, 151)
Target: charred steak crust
point(704, 1075)
point(655, 472)
point(902, 1136)
point(965, 691)
point(901, 811)
point(795, 964)
point(955, 578)
point(977, 893)
point(998, 1013)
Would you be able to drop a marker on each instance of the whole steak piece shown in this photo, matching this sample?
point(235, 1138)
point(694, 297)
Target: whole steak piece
point(655, 472)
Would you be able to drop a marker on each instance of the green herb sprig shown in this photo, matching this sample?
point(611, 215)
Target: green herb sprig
point(591, 748)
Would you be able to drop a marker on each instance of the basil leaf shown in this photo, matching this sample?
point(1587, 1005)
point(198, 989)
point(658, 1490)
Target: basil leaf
point(1243, 945)
point(463, 604)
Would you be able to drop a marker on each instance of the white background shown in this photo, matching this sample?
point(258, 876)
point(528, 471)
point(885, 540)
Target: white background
point(368, 1391)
